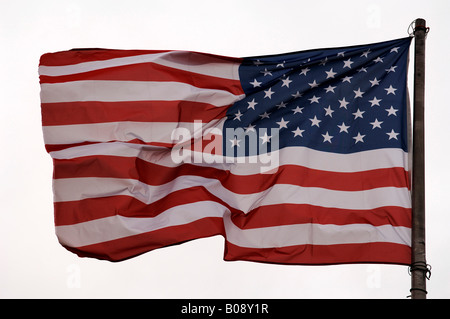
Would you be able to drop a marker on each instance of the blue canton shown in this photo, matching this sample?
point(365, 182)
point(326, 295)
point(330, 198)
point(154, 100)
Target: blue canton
point(340, 100)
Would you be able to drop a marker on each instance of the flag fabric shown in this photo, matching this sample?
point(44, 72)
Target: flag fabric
point(297, 158)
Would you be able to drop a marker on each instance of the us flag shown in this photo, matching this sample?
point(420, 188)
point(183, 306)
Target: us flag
point(297, 158)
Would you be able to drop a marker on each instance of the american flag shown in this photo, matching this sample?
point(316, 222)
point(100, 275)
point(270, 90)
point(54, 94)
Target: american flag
point(297, 158)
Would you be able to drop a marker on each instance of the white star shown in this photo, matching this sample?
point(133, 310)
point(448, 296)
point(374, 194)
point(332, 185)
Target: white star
point(347, 79)
point(314, 99)
point(282, 105)
point(328, 111)
point(250, 128)
point(255, 83)
point(390, 90)
point(343, 103)
point(265, 72)
point(330, 74)
point(237, 116)
point(359, 138)
point(379, 59)
point(392, 111)
point(330, 89)
point(327, 137)
point(297, 95)
point(298, 109)
point(342, 54)
point(362, 69)
point(304, 71)
point(376, 123)
point(358, 113)
point(391, 69)
point(251, 104)
point(264, 116)
point(313, 84)
point(282, 123)
point(366, 53)
point(324, 61)
point(392, 135)
point(343, 128)
point(348, 63)
point(286, 82)
point(374, 82)
point(298, 132)
point(235, 142)
point(358, 93)
point(281, 65)
point(395, 49)
point(375, 101)
point(269, 93)
point(257, 63)
point(315, 121)
point(266, 138)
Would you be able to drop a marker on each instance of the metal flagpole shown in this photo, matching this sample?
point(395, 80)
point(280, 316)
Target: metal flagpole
point(419, 268)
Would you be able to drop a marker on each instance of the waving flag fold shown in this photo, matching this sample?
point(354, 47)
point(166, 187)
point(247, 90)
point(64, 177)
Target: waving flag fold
point(297, 158)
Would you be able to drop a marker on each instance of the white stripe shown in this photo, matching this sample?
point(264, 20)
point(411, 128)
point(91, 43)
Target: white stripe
point(112, 91)
point(117, 226)
point(183, 60)
point(302, 156)
point(73, 189)
point(314, 234)
point(111, 149)
point(121, 131)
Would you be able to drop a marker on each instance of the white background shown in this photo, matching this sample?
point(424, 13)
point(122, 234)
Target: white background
point(34, 265)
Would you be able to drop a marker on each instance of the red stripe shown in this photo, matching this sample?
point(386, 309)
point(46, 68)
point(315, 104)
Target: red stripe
point(154, 174)
point(151, 72)
point(323, 254)
point(67, 213)
point(88, 55)
point(273, 215)
point(128, 247)
point(67, 113)
point(210, 144)
point(59, 147)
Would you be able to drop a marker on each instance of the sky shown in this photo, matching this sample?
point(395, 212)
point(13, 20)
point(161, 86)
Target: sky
point(33, 263)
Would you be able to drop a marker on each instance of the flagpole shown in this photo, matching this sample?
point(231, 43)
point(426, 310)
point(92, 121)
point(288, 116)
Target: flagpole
point(419, 267)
